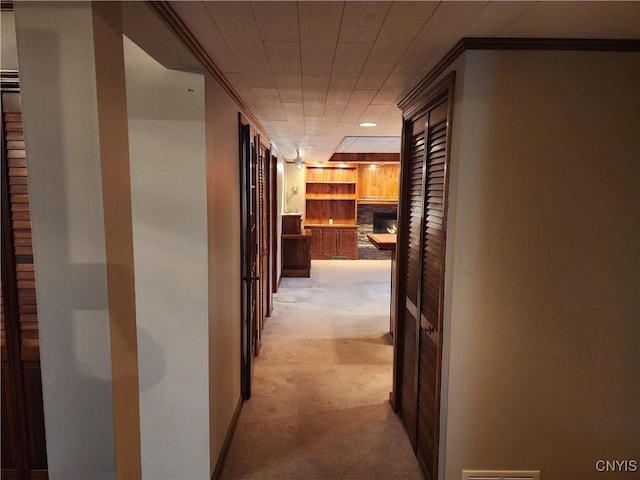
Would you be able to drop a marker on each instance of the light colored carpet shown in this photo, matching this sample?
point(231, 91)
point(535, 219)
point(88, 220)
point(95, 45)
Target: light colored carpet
point(320, 406)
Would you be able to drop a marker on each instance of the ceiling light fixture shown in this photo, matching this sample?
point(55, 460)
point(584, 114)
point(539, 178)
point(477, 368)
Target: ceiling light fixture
point(368, 124)
point(298, 160)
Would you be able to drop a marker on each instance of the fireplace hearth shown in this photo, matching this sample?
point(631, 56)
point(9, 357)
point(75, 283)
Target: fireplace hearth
point(366, 213)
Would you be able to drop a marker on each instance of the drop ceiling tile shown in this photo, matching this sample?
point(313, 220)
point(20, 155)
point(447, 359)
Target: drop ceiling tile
point(347, 65)
point(359, 101)
point(373, 113)
point(267, 96)
point(284, 58)
point(241, 84)
point(576, 20)
point(314, 94)
point(279, 128)
point(448, 22)
point(264, 46)
point(361, 21)
point(493, 18)
point(277, 21)
point(312, 125)
point(275, 112)
point(333, 112)
point(319, 25)
point(235, 22)
point(294, 112)
point(403, 22)
point(204, 29)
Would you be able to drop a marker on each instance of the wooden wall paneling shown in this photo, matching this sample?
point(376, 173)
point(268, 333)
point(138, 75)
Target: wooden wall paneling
point(365, 157)
point(378, 181)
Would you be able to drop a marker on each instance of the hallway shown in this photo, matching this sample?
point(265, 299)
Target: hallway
point(321, 384)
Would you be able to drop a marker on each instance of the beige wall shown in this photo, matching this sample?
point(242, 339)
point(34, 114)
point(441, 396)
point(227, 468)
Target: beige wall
point(543, 264)
point(175, 169)
point(168, 181)
point(294, 202)
point(60, 106)
point(8, 50)
point(223, 211)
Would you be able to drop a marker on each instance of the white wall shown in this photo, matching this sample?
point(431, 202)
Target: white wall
point(57, 70)
point(223, 187)
point(543, 264)
point(169, 207)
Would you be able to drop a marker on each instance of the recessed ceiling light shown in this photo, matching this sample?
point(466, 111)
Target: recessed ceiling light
point(368, 124)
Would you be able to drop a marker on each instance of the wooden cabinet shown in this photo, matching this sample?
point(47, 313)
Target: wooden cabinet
point(331, 241)
point(348, 242)
point(316, 242)
point(296, 255)
point(292, 223)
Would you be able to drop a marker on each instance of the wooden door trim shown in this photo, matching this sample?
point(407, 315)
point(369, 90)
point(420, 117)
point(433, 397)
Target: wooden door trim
point(274, 223)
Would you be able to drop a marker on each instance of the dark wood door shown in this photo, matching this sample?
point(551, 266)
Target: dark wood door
point(329, 242)
point(270, 232)
point(421, 253)
point(316, 242)
point(24, 454)
point(265, 233)
point(348, 243)
point(249, 263)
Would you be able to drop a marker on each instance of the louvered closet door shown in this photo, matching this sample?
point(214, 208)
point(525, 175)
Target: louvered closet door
point(420, 253)
point(410, 261)
point(432, 289)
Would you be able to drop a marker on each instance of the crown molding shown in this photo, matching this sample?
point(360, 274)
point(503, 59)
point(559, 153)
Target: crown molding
point(575, 44)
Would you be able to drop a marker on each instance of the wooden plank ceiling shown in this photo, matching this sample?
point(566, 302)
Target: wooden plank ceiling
point(311, 72)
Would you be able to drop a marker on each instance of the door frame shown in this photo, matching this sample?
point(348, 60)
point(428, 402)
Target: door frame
point(414, 107)
point(246, 288)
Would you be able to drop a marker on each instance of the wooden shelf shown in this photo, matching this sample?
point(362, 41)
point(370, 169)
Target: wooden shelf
point(331, 193)
point(376, 201)
point(329, 196)
point(331, 183)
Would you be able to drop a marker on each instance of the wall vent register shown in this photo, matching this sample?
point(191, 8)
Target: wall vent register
point(501, 475)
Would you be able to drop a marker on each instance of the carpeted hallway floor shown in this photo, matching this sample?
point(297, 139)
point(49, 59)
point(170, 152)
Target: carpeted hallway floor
point(321, 384)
